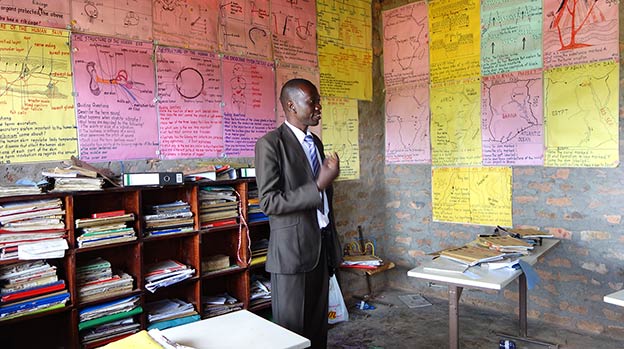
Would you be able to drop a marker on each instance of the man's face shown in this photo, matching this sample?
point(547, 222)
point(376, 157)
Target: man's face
point(305, 107)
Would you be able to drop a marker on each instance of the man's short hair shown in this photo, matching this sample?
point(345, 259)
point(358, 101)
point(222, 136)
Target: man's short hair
point(290, 86)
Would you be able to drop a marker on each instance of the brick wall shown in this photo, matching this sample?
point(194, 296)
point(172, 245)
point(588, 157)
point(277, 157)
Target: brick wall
point(583, 207)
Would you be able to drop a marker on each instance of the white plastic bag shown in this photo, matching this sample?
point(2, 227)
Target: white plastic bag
point(337, 310)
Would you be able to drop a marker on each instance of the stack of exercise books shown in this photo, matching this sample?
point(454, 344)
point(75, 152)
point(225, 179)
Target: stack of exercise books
point(105, 228)
point(18, 189)
point(166, 313)
point(254, 213)
point(165, 273)
point(220, 304)
point(73, 178)
point(215, 263)
point(32, 222)
point(259, 249)
point(95, 280)
point(169, 218)
point(30, 287)
point(218, 206)
point(505, 244)
point(471, 255)
point(107, 322)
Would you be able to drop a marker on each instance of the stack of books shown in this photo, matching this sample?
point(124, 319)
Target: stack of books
point(31, 222)
point(259, 249)
point(30, 287)
point(218, 206)
point(220, 304)
point(165, 273)
point(254, 213)
point(170, 218)
point(166, 313)
point(15, 190)
point(215, 263)
point(95, 280)
point(260, 291)
point(110, 321)
point(362, 262)
point(105, 228)
point(505, 244)
point(471, 255)
point(73, 178)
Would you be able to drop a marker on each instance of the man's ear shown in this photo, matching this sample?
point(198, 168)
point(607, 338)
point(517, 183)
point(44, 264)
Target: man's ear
point(291, 106)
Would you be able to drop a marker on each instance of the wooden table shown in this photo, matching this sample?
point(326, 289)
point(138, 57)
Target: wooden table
point(485, 279)
point(240, 329)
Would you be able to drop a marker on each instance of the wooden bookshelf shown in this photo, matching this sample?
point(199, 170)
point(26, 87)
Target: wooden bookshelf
point(132, 257)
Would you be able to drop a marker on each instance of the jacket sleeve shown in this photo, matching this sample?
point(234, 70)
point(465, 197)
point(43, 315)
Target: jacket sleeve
point(283, 186)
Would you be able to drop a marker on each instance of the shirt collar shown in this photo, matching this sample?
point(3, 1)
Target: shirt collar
point(298, 133)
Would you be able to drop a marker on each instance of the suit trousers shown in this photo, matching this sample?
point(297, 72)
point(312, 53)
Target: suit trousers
point(300, 301)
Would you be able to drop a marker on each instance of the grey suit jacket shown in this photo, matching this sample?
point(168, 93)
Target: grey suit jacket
point(289, 196)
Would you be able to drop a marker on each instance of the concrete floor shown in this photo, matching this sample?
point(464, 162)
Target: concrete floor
point(399, 327)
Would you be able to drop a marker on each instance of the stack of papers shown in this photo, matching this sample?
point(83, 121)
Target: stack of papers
point(218, 206)
point(260, 291)
point(529, 233)
point(105, 229)
point(504, 244)
point(220, 304)
point(361, 262)
point(95, 280)
point(32, 222)
point(30, 287)
point(471, 255)
point(166, 313)
point(73, 178)
point(170, 218)
point(165, 273)
point(259, 250)
point(15, 190)
point(99, 335)
point(254, 213)
point(108, 321)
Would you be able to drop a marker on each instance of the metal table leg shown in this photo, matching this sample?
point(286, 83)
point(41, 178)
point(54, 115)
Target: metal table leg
point(454, 295)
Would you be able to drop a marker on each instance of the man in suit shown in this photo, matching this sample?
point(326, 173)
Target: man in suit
point(296, 193)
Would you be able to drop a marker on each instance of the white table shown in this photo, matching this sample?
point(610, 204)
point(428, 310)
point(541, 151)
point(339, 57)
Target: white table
point(485, 279)
point(616, 298)
point(240, 329)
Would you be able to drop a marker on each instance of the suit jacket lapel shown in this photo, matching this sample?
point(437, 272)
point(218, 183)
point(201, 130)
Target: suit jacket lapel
point(294, 149)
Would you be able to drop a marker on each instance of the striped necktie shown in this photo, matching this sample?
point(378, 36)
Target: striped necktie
point(316, 166)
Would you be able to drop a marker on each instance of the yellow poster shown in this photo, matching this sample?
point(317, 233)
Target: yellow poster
point(37, 121)
point(475, 195)
point(340, 134)
point(581, 115)
point(454, 39)
point(456, 123)
point(344, 48)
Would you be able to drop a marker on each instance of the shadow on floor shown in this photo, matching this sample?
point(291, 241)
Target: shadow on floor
point(397, 327)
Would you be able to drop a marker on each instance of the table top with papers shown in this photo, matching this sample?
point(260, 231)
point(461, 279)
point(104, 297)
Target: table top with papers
point(480, 276)
point(616, 298)
point(240, 329)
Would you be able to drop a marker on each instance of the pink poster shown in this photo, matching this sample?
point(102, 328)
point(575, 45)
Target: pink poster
point(406, 44)
point(131, 19)
point(189, 89)
point(45, 13)
point(244, 28)
point(115, 90)
point(577, 32)
point(248, 103)
point(187, 23)
point(407, 125)
point(285, 72)
point(512, 123)
point(293, 26)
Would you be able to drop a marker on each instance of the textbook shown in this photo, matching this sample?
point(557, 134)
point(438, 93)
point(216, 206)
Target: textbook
point(471, 255)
